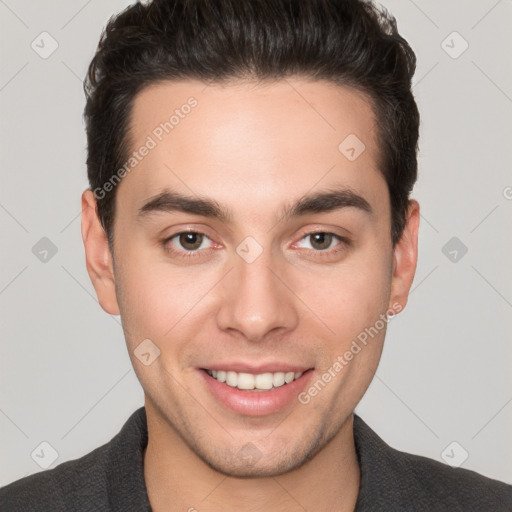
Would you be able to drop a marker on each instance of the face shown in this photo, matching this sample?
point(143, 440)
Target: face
point(233, 264)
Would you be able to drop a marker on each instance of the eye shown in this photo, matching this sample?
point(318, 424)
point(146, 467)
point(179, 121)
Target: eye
point(186, 243)
point(192, 244)
point(321, 241)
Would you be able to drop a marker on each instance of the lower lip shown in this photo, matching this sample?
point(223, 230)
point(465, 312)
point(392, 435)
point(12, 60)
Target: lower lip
point(256, 403)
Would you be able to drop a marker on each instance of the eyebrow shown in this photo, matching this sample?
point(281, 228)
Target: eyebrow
point(319, 202)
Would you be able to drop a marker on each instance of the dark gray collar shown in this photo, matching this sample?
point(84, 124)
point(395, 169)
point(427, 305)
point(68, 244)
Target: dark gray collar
point(125, 476)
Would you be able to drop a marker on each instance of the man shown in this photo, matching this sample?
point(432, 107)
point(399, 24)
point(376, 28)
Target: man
point(250, 165)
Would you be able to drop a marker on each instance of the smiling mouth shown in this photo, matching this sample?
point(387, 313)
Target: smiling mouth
point(254, 382)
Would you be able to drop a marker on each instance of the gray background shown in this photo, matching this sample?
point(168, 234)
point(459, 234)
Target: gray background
point(445, 372)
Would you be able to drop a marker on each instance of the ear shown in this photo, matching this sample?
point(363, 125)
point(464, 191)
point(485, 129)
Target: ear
point(97, 255)
point(405, 257)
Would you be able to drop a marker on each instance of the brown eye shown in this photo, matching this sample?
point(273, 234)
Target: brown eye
point(321, 241)
point(323, 244)
point(190, 241)
point(187, 244)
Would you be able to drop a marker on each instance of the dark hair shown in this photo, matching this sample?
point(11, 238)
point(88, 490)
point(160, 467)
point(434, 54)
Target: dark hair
point(348, 42)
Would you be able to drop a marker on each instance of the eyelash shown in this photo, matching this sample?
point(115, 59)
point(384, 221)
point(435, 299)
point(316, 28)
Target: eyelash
point(198, 252)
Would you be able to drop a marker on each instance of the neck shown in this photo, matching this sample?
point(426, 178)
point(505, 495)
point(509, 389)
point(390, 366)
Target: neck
point(176, 476)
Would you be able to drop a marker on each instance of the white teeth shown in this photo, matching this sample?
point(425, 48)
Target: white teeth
point(278, 379)
point(264, 381)
point(231, 379)
point(247, 381)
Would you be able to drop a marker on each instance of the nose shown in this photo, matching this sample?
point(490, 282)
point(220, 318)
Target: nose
point(256, 300)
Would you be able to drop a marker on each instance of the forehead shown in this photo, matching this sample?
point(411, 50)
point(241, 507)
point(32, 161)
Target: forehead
point(245, 141)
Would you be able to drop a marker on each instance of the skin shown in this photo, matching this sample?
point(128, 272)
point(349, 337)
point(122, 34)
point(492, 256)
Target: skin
point(253, 149)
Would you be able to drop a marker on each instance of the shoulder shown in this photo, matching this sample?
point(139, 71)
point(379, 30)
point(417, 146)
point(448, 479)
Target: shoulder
point(432, 483)
point(110, 476)
point(400, 481)
point(60, 489)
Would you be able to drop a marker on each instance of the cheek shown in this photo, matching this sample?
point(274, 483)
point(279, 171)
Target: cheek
point(143, 297)
point(157, 299)
point(347, 297)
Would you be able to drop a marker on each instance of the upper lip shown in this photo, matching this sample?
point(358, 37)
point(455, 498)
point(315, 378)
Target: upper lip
point(256, 369)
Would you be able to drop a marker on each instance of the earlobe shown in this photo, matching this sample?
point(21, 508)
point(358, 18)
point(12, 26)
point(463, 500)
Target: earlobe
point(98, 256)
point(405, 257)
